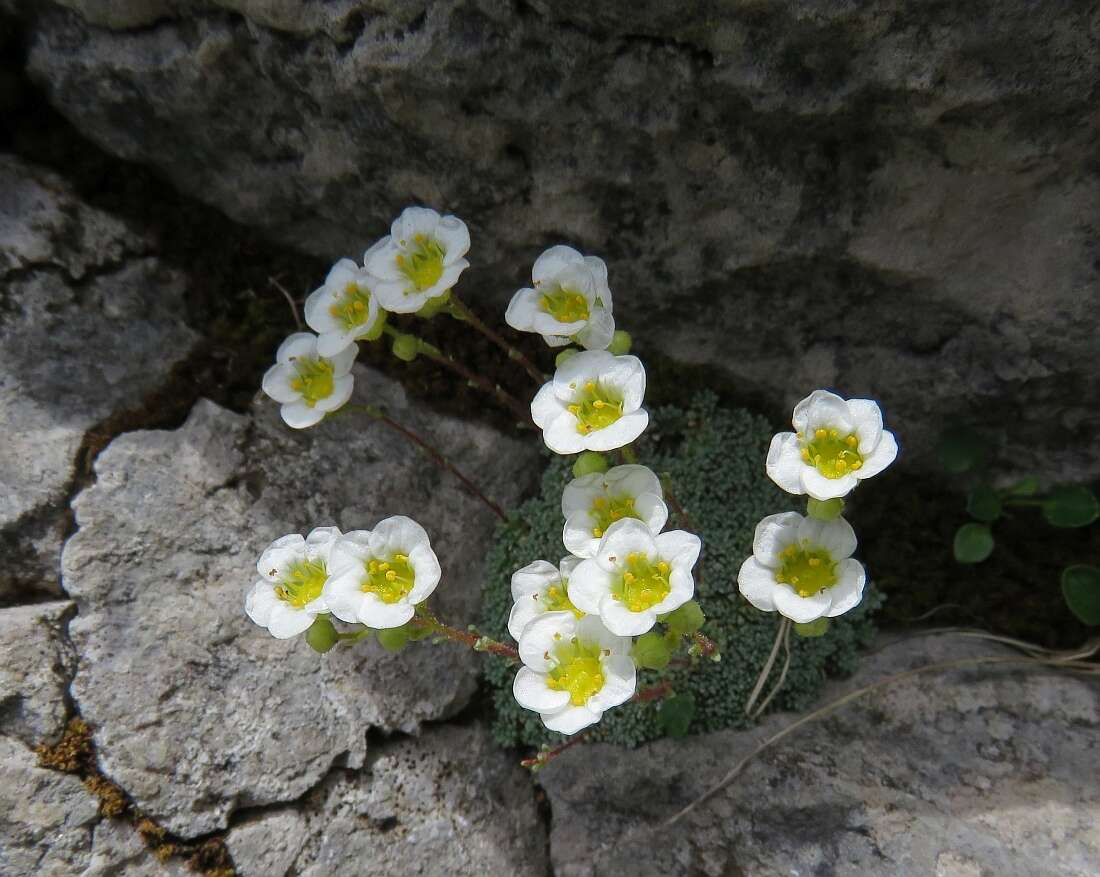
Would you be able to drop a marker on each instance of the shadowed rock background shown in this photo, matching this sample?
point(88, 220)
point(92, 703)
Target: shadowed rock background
point(893, 199)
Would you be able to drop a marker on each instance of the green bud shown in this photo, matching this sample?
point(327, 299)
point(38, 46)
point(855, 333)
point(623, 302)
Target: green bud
point(565, 356)
point(824, 510)
point(405, 347)
point(589, 462)
point(435, 305)
point(321, 635)
point(376, 333)
point(393, 639)
point(620, 343)
point(651, 652)
point(812, 629)
point(687, 619)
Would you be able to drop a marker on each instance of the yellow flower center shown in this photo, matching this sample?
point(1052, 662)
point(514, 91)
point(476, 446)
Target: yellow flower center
point(608, 510)
point(557, 600)
point(577, 671)
point(391, 580)
point(565, 305)
point(353, 307)
point(832, 454)
point(808, 570)
point(595, 408)
point(643, 584)
point(422, 262)
point(302, 583)
point(314, 381)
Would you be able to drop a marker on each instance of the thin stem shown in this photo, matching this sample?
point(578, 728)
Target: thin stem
point(518, 409)
point(780, 635)
point(782, 674)
point(459, 311)
point(426, 619)
point(436, 455)
point(289, 300)
point(1070, 662)
point(656, 691)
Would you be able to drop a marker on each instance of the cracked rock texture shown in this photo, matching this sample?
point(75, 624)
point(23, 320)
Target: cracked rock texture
point(447, 803)
point(893, 199)
point(198, 712)
point(76, 287)
point(35, 667)
point(982, 771)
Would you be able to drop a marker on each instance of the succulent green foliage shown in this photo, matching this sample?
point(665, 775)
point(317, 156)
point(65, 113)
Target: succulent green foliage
point(984, 503)
point(973, 543)
point(714, 459)
point(1071, 506)
point(1081, 587)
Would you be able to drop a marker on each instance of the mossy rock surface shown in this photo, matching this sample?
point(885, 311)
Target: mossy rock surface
point(715, 460)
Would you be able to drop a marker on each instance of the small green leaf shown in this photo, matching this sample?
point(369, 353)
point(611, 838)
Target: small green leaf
point(1081, 588)
point(685, 620)
point(973, 543)
point(960, 450)
point(812, 629)
point(983, 503)
point(651, 651)
point(1072, 506)
point(393, 639)
point(674, 715)
point(1025, 487)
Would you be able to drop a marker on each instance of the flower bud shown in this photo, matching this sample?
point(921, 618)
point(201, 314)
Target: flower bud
point(393, 639)
point(620, 343)
point(321, 635)
point(651, 651)
point(405, 347)
point(686, 619)
point(812, 629)
point(589, 462)
point(564, 356)
point(824, 510)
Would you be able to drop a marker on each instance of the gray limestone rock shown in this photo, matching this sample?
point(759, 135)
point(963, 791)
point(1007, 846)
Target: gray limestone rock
point(893, 200)
point(90, 324)
point(977, 771)
point(448, 804)
point(35, 667)
point(197, 711)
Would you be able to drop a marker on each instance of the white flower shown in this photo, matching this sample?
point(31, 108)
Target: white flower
point(419, 260)
point(570, 301)
point(308, 385)
point(635, 576)
point(538, 588)
point(593, 403)
point(344, 310)
point(380, 575)
point(836, 445)
point(803, 568)
point(574, 670)
point(592, 503)
point(293, 571)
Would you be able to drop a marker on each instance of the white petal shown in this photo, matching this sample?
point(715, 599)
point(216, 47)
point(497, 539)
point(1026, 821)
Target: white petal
point(577, 535)
point(885, 452)
point(426, 573)
point(276, 383)
point(620, 683)
point(588, 585)
point(599, 275)
point(546, 406)
point(539, 639)
point(347, 552)
point(553, 261)
point(681, 589)
point(801, 609)
point(561, 436)
point(343, 593)
point(397, 535)
point(381, 262)
point(652, 510)
point(622, 538)
point(848, 590)
point(622, 432)
point(836, 536)
point(451, 272)
point(260, 601)
point(534, 578)
point(333, 342)
point(784, 464)
point(522, 310)
point(632, 480)
point(621, 621)
point(773, 534)
point(679, 547)
point(299, 415)
point(286, 622)
point(524, 611)
point(822, 488)
point(414, 221)
point(823, 410)
point(317, 314)
point(321, 540)
point(580, 493)
point(757, 584)
point(282, 551)
point(532, 693)
point(591, 629)
point(343, 360)
point(297, 345)
point(867, 418)
point(571, 719)
point(625, 377)
point(375, 613)
point(453, 234)
point(341, 391)
point(588, 365)
point(566, 566)
point(598, 331)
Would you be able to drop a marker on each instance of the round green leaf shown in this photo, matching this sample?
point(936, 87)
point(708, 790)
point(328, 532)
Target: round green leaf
point(675, 714)
point(651, 651)
point(983, 503)
point(686, 620)
point(1081, 588)
point(960, 450)
point(973, 543)
point(1073, 506)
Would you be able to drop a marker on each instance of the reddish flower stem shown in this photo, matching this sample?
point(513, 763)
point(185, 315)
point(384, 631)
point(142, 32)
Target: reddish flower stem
point(470, 638)
point(461, 312)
